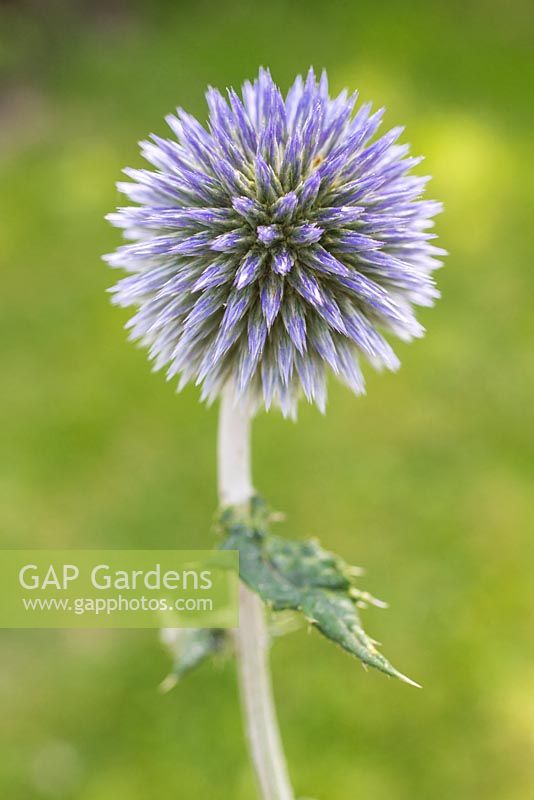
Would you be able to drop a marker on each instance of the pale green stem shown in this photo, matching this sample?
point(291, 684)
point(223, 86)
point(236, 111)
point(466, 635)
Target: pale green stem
point(251, 638)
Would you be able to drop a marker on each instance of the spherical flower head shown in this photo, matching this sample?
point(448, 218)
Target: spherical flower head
point(282, 241)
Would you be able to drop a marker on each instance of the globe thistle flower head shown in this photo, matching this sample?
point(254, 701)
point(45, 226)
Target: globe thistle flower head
point(278, 243)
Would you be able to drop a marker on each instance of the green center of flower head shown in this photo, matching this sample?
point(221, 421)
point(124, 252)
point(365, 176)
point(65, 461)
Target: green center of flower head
point(284, 240)
point(277, 230)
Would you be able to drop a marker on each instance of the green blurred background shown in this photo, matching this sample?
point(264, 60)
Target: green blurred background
point(427, 481)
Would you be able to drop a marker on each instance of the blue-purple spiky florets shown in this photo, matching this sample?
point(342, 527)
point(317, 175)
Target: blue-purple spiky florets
point(275, 244)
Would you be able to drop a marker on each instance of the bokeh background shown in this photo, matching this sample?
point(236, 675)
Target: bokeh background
point(427, 482)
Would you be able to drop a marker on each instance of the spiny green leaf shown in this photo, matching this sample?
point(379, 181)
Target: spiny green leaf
point(304, 577)
point(189, 647)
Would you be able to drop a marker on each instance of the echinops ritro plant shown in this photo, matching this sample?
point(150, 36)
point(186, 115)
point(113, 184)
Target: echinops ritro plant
point(284, 240)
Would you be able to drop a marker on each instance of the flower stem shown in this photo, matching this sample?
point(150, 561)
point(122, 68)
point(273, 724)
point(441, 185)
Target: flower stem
point(252, 641)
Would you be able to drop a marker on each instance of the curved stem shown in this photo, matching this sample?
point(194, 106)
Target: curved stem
point(252, 644)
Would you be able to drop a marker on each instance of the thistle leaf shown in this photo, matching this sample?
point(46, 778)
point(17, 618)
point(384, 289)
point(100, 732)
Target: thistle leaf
point(302, 576)
point(189, 647)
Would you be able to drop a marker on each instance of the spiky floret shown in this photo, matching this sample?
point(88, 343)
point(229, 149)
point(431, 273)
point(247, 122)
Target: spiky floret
point(281, 241)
